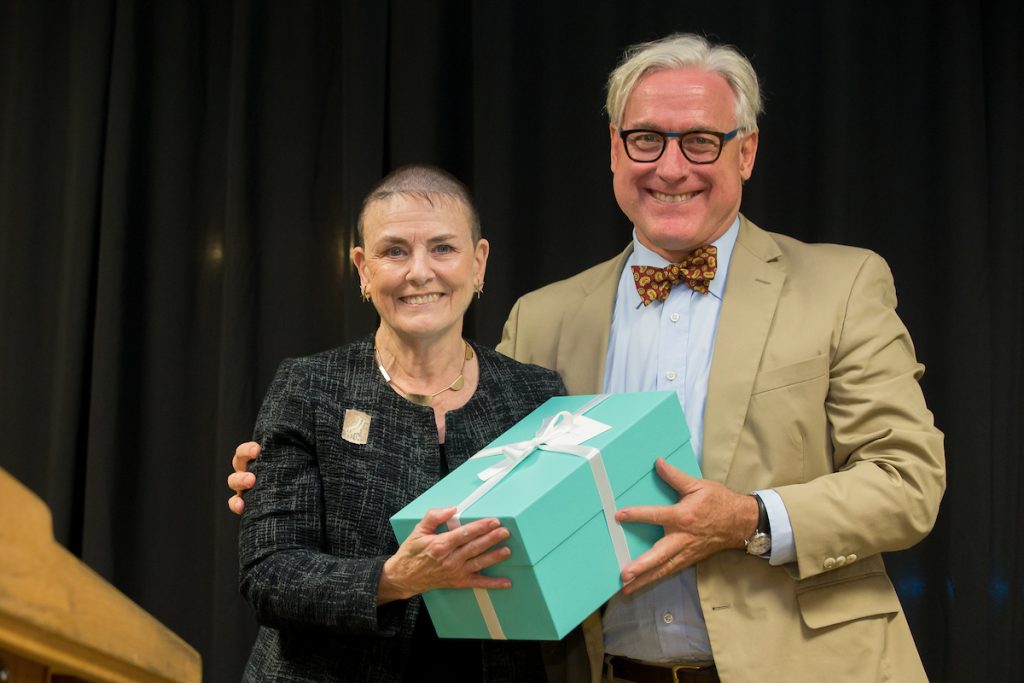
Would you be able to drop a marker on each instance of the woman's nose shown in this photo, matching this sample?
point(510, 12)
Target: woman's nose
point(420, 270)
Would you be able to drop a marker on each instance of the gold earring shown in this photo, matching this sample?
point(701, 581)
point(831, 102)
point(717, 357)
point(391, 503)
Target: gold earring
point(479, 289)
point(364, 292)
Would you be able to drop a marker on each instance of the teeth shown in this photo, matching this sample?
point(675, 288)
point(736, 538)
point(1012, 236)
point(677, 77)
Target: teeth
point(422, 299)
point(662, 197)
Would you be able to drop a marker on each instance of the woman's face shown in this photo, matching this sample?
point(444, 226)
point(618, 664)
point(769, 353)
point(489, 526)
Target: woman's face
point(419, 264)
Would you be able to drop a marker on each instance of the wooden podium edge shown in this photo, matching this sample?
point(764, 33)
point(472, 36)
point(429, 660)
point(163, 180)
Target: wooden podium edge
point(66, 657)
point(51, 602)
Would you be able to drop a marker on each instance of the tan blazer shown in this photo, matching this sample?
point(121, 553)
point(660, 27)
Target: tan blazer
point(813, 392)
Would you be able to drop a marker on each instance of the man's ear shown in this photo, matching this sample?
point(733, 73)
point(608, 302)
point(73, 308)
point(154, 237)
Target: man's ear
point(748, 153)
point(615, 148)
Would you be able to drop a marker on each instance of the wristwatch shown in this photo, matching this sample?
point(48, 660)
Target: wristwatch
point(761, 542)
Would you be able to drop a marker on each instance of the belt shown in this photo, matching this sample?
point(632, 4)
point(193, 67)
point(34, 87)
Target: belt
point(639, 672)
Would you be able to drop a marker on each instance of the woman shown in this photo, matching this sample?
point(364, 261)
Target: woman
point(351, 435)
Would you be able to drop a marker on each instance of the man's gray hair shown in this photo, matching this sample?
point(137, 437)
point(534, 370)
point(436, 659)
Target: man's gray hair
point(427, 182)
point(681, 50)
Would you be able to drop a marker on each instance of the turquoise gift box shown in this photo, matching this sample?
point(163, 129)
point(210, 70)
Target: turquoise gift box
point(563, 564)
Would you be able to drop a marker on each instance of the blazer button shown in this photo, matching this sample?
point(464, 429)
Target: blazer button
point(830, 563)
point(840, 561)
point(851, 558)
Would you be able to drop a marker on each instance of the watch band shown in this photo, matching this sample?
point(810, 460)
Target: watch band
point(760, 543)
point(764, 525)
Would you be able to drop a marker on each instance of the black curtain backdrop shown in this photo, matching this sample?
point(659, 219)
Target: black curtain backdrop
point(178, 183)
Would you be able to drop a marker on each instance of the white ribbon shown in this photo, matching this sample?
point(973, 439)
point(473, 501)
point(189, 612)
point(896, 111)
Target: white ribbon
point(551, 428)
point(604, 491)
point(483, 600)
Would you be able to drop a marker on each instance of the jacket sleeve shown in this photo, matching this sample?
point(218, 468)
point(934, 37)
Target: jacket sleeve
point(284, 572)
point(888, 459)
point(507, 345)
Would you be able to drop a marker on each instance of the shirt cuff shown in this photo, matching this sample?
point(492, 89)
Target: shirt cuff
point(783, 548)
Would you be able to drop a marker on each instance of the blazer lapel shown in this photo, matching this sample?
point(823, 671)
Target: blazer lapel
point(583, 342)
point(751, 294)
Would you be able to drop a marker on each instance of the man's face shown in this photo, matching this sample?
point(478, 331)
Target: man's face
point(677, 205)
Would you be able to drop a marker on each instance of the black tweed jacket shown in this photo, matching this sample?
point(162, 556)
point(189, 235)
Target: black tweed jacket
point(315, 532)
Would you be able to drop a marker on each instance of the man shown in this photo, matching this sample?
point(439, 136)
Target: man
point(799, 383)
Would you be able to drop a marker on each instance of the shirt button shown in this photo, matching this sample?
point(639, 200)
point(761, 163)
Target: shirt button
point(674, 317)
point(667, 617)
point(671, 374)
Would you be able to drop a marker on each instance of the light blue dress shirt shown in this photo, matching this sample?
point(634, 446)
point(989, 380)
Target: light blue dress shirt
point(668, 346)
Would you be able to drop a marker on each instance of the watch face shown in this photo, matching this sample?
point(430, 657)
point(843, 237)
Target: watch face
point(759, 544)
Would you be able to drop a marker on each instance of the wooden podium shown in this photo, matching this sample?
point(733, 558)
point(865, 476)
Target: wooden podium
point(61, 622)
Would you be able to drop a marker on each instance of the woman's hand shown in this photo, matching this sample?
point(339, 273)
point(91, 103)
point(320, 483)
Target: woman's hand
point(451, 559)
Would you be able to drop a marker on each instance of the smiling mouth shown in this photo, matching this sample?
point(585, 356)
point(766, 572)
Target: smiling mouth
point(421, 299)
point(673, 198)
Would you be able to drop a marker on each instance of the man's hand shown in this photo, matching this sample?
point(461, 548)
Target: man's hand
point(450, 559)
point(708, 518)
point(240, 480)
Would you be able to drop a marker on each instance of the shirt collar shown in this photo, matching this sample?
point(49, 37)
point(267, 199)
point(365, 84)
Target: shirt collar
point(725, 243)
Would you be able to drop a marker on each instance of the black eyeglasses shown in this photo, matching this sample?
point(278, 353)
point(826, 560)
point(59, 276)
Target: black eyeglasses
point(699, 146)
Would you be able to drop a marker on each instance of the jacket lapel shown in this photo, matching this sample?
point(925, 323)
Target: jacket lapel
point(583, 342)
point(751, 295)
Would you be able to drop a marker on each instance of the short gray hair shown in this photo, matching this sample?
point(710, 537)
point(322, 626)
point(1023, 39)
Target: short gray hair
point(681, 50)
point(423, 181)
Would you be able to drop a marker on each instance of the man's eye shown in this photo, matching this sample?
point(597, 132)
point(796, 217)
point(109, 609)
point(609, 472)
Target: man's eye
point(701, 141)
point(646, 140)
point(393, 252)
point(443, 249)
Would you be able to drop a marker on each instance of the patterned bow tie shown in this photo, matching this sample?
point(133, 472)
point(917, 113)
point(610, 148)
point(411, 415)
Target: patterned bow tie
point(697, 270)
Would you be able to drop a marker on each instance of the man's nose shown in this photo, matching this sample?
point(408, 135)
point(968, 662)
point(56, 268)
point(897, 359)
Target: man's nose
point(673, 164)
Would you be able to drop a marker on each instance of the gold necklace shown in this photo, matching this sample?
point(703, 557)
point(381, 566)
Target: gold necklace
point(425, 399)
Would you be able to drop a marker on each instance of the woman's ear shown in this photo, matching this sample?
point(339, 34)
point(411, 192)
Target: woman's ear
point(358, 257)
point(481, 252)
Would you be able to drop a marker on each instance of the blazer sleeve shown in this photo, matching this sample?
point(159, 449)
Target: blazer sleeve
point(284, 572)
point(889, 464)
point(507, 345)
